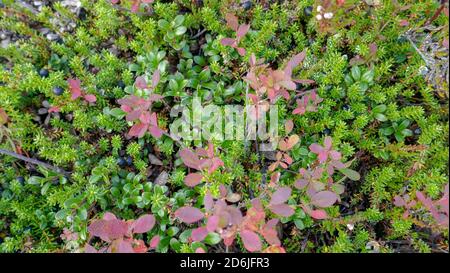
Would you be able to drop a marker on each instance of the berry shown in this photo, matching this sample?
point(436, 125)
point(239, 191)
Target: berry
point(21, 180)
point(129, 161)
point(58, 90)
point(121, 162)
point(82, 14)
point(43, 73)
point(298, 86)
point(308, 10)
point(346, 107)
point(121, 84)
point(247, 5)
point(418, 131)
point(326, 132)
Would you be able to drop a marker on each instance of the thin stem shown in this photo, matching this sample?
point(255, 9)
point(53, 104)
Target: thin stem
point(34, 161)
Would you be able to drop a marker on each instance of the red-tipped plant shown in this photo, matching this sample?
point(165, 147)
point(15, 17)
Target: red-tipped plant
point(241, 30)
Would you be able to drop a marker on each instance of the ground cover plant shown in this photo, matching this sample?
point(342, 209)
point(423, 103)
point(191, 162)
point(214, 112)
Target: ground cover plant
point(89, 161)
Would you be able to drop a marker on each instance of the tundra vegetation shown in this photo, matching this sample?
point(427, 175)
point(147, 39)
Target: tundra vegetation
point(360, 162)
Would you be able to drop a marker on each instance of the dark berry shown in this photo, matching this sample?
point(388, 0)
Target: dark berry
point(121, 162)
point(121, 84)
point(418, 131)
point(298, 86)
point(346, 107)
point(308, 10)
point(198, 3)
point(58, 90)
point(43, 73)
point(129, 161)
point(247, 5)
point(327, 132)
point(82, 14)
point(21, 180)
point(59, 41)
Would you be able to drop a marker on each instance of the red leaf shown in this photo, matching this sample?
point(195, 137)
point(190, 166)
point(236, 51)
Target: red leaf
point(251, 240)
point(133, 115)
point(318, 214)
point(193, 179)
point(399, 202)
point(108, 230)
point(154, 241)
point(315, 148)
point(155, 131)
point(200, 250)
point(90, 98)
point(280, 196)
point(282, 210)
point(145, 117)
point(141, 83)
point(121, 246)
point(241, 51)
point(227, 41)
point(289, 125)
point(155, 78)
point(274, 249)
point(294, 62)
point(75, 88)
point(54, 109)
point(208, 201)
point(139, 246)
point(232, 21)
point(242, 30)
point(89, 249)
point(138, 130)
point(223, 191)
point(189, 215)
point(199, 234)
point(213, 223)
point(324, 199)
point(109, 216)
point(190, 159)
point(144, 224)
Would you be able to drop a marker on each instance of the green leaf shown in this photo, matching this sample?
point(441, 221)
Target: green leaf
point(356, 73)
point(185, 235)
point(163, 24)
point(178, 20)
point(117, 113)
point(213, 238)
point(299, 224)
point(175, 244)
point(348, 80)
point(387, 131)
point(172, 231)
point(351, 174)
point(180, 30)
point(368, 76)
point(44, 189)
point(380, 117)
point(34, 180)
point(407, 132)
point(61, 215)
point(379, 108)
point(404, 124)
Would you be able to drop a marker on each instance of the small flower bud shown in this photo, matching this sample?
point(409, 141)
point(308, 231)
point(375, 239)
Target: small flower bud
point(328, 15)
point(319, 17)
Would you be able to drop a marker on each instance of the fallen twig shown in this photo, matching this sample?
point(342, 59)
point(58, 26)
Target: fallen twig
point(34, 161)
